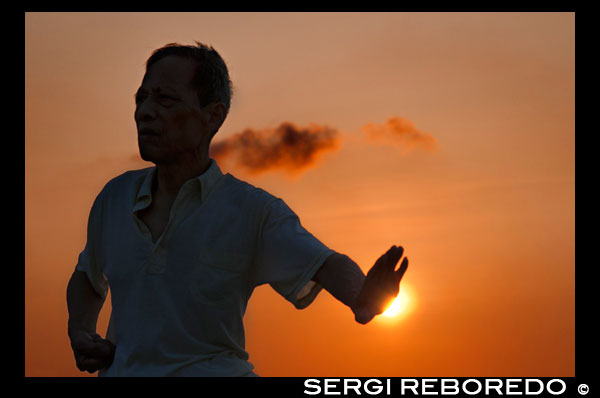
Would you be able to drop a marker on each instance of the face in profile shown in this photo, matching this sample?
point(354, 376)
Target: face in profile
point(171, 124)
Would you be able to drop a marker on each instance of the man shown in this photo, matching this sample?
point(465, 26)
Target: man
point(183, 246)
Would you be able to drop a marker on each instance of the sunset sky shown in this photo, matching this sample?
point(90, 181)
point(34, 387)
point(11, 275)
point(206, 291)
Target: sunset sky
point(451, 134)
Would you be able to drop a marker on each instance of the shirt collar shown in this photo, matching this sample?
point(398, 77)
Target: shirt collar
point(205, 183)
point(209, 179)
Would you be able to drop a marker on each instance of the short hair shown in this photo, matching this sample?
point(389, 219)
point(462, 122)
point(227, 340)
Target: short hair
point(211, 78)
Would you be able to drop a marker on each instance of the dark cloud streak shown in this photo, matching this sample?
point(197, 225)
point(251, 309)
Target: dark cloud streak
point(287, 147)
point(293, 149)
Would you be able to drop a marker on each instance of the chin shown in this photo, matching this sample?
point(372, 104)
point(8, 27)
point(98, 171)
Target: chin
point(147, 158)
point(151, 154)
point(148, 155)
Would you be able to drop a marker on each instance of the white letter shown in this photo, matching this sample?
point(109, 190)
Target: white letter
point(538, 392)
point(564, 387)
point(347, 387)
point(446, 387)
point(389, 386)
point(509, 385)
point(413, 388)
point(489, 387)
point(471, 392)
point(377, 390)
point(308, 385)
point(333, 385)
point(425, 384)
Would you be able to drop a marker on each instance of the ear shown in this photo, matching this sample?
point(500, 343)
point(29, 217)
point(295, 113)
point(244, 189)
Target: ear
point(216, 115)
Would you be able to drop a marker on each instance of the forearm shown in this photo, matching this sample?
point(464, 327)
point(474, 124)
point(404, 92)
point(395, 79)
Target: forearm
point(83, 303)
point(342, 278)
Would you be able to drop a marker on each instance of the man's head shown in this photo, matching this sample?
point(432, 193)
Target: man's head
point(182, 102)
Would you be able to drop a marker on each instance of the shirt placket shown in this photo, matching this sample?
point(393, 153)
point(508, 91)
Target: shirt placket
point(158, 259)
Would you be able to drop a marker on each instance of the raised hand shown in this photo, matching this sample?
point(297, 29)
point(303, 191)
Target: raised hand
point(381, 285)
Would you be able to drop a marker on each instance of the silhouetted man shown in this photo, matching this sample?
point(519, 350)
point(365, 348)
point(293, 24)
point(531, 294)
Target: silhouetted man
point(182, 246)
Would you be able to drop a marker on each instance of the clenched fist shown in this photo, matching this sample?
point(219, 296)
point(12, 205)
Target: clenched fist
point(92, 352)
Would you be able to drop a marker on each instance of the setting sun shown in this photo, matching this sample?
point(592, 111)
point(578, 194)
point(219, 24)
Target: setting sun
point(402, 304)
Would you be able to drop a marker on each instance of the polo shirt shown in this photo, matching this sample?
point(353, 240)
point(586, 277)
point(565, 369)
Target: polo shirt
point(178, 303)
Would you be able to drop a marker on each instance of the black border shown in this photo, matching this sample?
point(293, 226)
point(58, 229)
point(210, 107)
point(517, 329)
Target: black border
point(292, 386)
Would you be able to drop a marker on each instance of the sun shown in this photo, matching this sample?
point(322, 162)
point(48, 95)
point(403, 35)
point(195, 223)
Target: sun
point(402, 305)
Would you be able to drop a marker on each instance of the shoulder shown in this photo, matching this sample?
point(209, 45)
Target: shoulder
point(128, 178)
point(251, 199)
point(246, 192)
point(125, 185)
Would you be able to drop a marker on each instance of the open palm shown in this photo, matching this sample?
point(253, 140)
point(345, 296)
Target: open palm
point(381, 285)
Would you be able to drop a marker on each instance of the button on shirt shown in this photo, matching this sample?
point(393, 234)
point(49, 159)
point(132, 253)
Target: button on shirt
point(178, 303)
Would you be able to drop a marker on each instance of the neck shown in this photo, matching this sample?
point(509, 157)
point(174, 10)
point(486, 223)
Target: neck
point(170, 177)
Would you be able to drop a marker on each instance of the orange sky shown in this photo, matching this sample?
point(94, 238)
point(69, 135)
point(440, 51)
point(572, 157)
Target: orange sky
point(486, 216)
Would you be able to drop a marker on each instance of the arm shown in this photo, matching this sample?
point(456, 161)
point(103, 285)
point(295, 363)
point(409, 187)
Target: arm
point(341, 277)
point(83, 303)
point(365, 295)
point(91, 352)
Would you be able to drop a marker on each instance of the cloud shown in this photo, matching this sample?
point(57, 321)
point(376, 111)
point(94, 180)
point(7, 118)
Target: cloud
point(401, 133)
point(288, 147)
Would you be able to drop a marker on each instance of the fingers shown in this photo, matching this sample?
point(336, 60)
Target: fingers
point(387, 262)
point(392, 256)
point(89, 364)
point(103, 347)
point(394, 252)
point(400, 273)
point(98, 357)
point(396, 256)
point(94, 349)
point(387, 266)
point(92, 352)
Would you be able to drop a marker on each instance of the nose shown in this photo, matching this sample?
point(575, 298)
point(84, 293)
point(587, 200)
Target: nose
point(144, 111)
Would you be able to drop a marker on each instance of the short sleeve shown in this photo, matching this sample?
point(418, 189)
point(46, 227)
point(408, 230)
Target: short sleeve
point(289, 256)
point(88, 259)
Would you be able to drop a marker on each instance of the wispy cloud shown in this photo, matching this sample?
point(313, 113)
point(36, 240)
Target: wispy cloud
point(399, 132)
point(288, 148)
